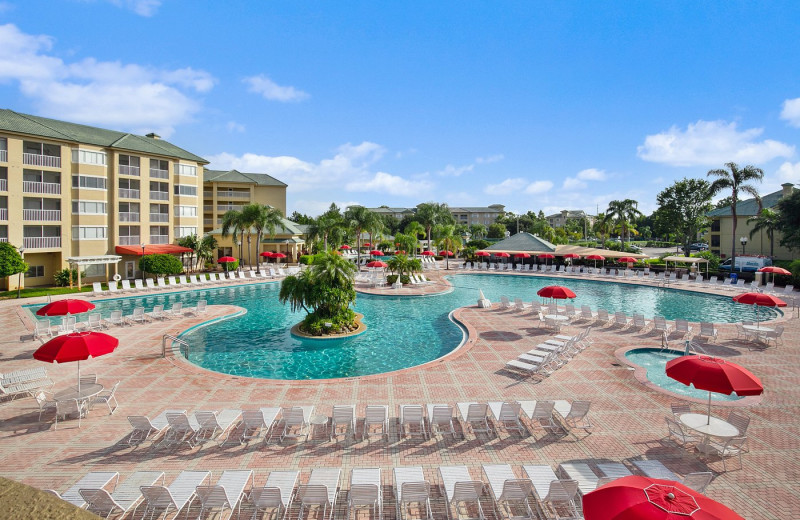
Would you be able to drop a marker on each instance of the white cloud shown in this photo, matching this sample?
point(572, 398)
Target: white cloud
point(233, 126)
point(126, 96)
point(789, 172)
point(460, 198)
point(791, 111)
point(140, 7)
point(383, 182)
point(315, 208)
point(490, 159)
point(270, 90)
point(506, 187)
point(571, 183)
point(708, 143)
point(537, 187)
point(592, 174)
point(455, 171)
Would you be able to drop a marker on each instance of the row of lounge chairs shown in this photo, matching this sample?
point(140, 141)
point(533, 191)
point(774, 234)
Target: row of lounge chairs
point(23, 383)
point(534, 491)
point(550, 355)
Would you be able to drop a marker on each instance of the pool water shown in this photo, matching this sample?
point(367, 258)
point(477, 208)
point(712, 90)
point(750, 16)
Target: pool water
point(655, 362)
point(401, 331)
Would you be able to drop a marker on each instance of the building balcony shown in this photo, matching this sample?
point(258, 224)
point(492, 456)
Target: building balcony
point(3, 155)
point(155, 173)
point(159, 217)
point(3, 213)
point(46, 161)
point(41, 242)
point(229, 208)
point(208, 207)
point(159, 195)
point(41, 214)
point(127, 216)
point(128, 170)
point(3, 185)
point(46, 188)
point(159, 239)
point(206, 221)
point(233, 195)
point(3, 239)
point(207, 194)
point(130, 241)
point(128, 194)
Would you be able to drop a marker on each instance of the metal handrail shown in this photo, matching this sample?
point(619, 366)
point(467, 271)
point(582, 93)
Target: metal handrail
point(174, 340)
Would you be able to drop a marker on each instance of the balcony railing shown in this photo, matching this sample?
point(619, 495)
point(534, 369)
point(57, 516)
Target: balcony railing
point(159, 217)
point(125, 193)
point(41, 242)
point(47, 188)
point(207, 194)
point(47, 161)
point(159, 239)
point(128, 216)
point(129, 241)
point(41, 214)
point(128, 170)
point(159, 195)
point(229, 208)
point(4, 158)
point(3, 213)
point(208, 207)
point(206, 221)
point(155, 173)
point(3, 185)
point(3, 239)
point(233, 194)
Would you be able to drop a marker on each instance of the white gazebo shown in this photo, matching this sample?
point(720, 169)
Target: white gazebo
point(80, 261)
point(686, 260)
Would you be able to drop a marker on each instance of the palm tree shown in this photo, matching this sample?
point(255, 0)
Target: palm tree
point(622, 213)
point(233, 224)
point(415, 229)
point(478, 231)
point(430, 214)
point(327, 224)
point(205, 249)
point(250, 213)
point(601, 226)
point(449, 240)
point(767, 221)
point(736, 181)
point(192, 242)
point(265, 218)
point(359, 218)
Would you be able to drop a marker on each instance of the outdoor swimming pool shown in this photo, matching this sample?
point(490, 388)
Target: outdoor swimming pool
point(655, 362)
point(402, 331)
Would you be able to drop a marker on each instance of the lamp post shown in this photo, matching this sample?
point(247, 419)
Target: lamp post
point(743, 240)
point(143, 263)
point(19, 277)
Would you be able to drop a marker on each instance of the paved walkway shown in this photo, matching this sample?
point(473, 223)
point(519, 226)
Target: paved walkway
point(627, 417)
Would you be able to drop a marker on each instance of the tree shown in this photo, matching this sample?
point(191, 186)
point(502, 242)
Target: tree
point(735, 180)
point(264, 219)
point(448, 240)
point(205, 249)
point(478, 231)
point(192, 242)
point(233, 224)
point(327, 224)
point(161, 264)
point(415, 229)
point(359, 218)
point(301, 218)
point(431, 214)
point(682, 209)
point(788, 223)
point(497, 230)
point(621, 213)
point(11, 262)
point(766, 221)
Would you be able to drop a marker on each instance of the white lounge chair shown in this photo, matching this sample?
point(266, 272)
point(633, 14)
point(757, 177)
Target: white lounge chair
point(376, 416)
point(180, 492)
point(296, 421)
point(475, 415)
point(707, 330)
point(92, 480)
point(343, 415)
point(366, 490)
point(227, 493)
point(410, 487)
point(682, 327)
point(144, 428)
point(97, 289)
point(176, 310)
point(276, 494)
point(575, 415)
point(124, 498)
point(507, 415)
point(510, 494)
point(94, 322)
point(440, 417)
point(554, 494)
point(214, 425)
point(613, 470)
point(139, 285)
point(182, 428)
point(655, 469)
point(126, 286)
point(321, 491)
point(412, 419)
point(257, 422)
point(106, 397)
point(582, 474)
point(138, 316)
point(661, 325)
point(162, 283)
point(540, 413)
point(150, 284)
point(115, 318)
point(158, 312)
point(460, 488)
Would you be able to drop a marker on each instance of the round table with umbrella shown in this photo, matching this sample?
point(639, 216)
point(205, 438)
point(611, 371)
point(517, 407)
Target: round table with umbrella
point(774, 269)
point(556, 292)
point(344, 247)
point(278, 256)
point(642, 498)
point(759, 300)
point(627, 260)
point(427, 253)
point(546, 257)
point(226, 260)
point(502, 254)
point(376, 253)
point(596, 258)
point(377, 263)
point(64, 307)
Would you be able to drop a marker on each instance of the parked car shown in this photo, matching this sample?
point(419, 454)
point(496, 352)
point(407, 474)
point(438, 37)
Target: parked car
point(697, 247)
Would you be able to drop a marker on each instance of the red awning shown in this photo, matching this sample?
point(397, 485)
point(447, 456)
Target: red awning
point(159, 249)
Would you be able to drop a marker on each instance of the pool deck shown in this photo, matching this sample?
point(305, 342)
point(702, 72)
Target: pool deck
point(627, 416)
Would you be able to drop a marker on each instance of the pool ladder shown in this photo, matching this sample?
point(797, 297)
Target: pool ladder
point(175, 339)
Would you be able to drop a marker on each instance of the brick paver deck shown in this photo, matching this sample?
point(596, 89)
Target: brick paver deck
point(627, 416)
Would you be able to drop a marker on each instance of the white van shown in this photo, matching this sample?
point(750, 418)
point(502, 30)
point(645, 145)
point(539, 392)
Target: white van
point(747, 263)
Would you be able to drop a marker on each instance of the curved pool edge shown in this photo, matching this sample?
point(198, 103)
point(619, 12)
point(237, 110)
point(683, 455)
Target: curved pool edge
point(640, 373)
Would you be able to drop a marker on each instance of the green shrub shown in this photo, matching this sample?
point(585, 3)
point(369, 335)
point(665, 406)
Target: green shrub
point(230, 266)
point(161, 264)
point(341, 323)
point(713, 260)
point(478, 244)
point(306, 259)
point(794, 267)
point(62, 277)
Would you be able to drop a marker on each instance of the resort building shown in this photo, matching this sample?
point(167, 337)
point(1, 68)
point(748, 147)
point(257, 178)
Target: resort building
point(469, 215)
point(721, 236)
point(559, 220)
point(91, 197)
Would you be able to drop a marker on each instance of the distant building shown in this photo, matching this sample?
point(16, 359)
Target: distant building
point(469, 215)
point(721, 237)
point(559, 220)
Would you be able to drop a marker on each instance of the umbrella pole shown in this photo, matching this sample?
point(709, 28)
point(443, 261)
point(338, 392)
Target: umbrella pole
point(709, 408)
point(79, 379)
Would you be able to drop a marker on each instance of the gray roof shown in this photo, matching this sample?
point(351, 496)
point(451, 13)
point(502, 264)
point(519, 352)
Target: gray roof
point(523, 242)
point(36, 126)
point(748, 207)
point(475, 209)
point(261, 179)
point(288, 228)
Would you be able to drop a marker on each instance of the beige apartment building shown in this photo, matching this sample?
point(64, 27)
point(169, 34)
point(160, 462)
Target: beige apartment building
point(92, 198)
point(468, 215)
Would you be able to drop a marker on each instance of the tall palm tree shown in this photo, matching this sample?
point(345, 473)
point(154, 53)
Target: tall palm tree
point(205, 249)
point(233, 224)
point(250, 213)
point(478, 231)
point(192, 242)
point(265, 219)
point(430, 214)
point(766, 221)
point(415, 229)
point(735, 180)
point(326, 225)
point(622, 213)
point(447, 239)
point(359, 218)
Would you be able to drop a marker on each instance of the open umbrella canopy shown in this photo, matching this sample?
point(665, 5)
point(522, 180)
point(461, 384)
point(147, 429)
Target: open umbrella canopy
point(714, 374)
point(376, 253)
point(555, 291)
point(226, 259)
point(761, 299)
point(427, 253)
point(502, 254)
point(366, 244)
point(572, 255)
point(267, 254)
point(447, 253)
point(64, 307)
point(344, 246)
point(546, 256)
point(483, 253)
point(77, 346)
point(521, 255)
point(627, 260)
point(774, 270)
point(278, 255)
point(595, 257)
point(377, 263)
point(642, 498)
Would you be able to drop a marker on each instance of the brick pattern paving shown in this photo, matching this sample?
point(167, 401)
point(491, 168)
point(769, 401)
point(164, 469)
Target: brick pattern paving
point(627, 416)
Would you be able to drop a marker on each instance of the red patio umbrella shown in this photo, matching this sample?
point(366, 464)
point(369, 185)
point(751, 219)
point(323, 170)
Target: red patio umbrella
point(226, 259)
point(77, 346)
point(483, 253)
point(377, 263)
point(546, 256)
point(344, 246)
point(366, 244)
point(775, 270)
point(572, 255)
point(267, 254)
point(555, 291)
point(64, 307)
point(715, 375)
point(627, 260)
point(521, 255)
point(447, 253)
point(278, 255)
point(427, 253)
point(760, 300)
point(376, 253)
point(502, 254)
point(642, 498)
point(595, 258)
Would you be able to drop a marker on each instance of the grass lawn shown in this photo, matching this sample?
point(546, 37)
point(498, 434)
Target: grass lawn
point(42, 291)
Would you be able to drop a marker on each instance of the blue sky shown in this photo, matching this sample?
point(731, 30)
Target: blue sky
point(535, 105)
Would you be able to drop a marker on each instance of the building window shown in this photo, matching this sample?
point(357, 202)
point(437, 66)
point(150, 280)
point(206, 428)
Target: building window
point(186, 190)
point(185, 211)
point(715, 225)
point(93, 270)
point(88, 182)
point(86, 207)
point(185, 231)
point(128, 165)
point(714, 240)
point(35, 271)
point(88, 157)
point(185, 169)
point(89, 232)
